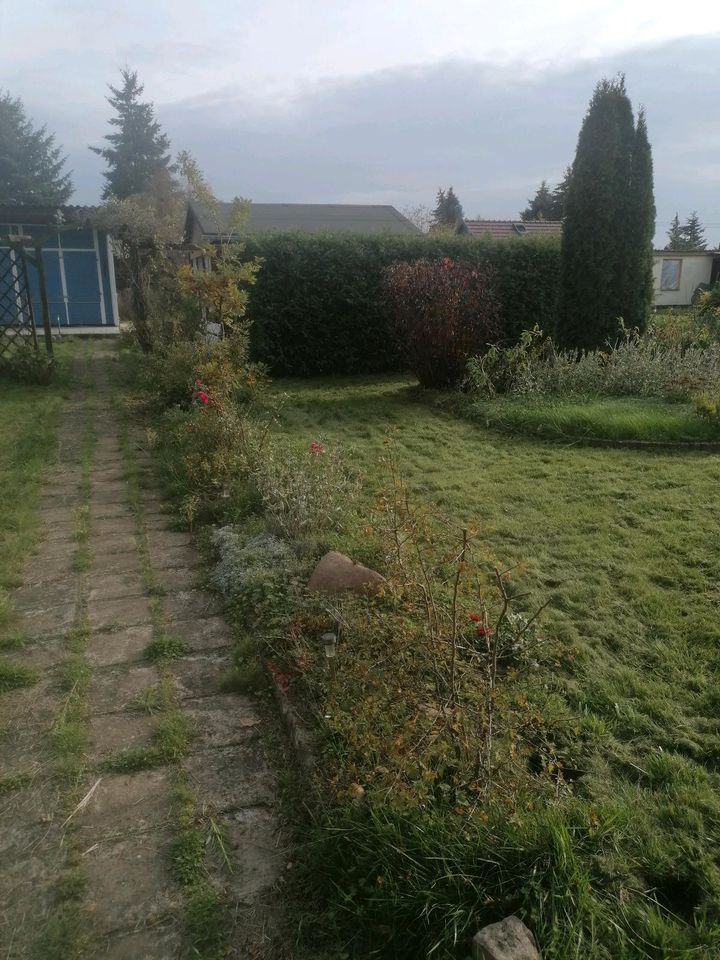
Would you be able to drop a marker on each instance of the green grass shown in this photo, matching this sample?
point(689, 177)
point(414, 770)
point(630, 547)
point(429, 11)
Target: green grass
point(165, 647)
point(612, 419)
point(28, 428)
point(13, 676)
point(623, 543)
point(171, 738)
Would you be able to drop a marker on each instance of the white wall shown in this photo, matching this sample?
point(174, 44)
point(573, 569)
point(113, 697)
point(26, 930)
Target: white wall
point(696, 268)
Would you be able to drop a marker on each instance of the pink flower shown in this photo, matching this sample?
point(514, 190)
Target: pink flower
point(202, 397)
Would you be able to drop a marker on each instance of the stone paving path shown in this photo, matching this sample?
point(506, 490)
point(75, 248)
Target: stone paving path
point(86, 854)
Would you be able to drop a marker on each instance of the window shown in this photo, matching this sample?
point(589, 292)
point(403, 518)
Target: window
point(671, 273)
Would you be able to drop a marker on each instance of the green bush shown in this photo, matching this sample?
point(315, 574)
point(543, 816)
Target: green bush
point(317, 306)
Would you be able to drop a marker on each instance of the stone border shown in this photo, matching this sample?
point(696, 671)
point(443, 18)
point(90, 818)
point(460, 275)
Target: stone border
point(300, 736)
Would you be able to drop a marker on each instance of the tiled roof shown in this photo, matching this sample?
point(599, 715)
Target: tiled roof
point(504, 229)
point(313, 217)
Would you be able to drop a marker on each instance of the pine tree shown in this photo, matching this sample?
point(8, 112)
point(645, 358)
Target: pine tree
point(31, 165)
point(559, 195)
point(693, 233)
point(640, 232)
point(600, 214)
point(541, 205)
point(448, 212)
point(676, 241)
point(138, 149)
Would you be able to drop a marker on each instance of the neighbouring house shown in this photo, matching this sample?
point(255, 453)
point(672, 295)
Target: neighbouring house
point(78, 264)
point(676, 274)
point(507, 229)
point(361, 218)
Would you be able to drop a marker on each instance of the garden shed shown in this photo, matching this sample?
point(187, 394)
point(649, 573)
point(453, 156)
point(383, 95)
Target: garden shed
point(677, 274)
point(78, 264)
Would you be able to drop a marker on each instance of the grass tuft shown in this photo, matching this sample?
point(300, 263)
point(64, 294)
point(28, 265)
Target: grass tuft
point(14, 676)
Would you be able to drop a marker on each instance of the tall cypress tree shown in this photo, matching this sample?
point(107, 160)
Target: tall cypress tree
point(599, 211)
point(31, 164)
point(138, 150)
point(640, 231)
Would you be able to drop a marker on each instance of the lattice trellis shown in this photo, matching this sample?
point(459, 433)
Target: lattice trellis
point(17, 323)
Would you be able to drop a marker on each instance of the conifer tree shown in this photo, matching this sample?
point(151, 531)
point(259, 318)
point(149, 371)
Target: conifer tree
point(448, 212)
point(606, 214)
point(676, 240)
point(640, 232)
point(31, 165)
point(694, 233)
point(541, 207)
point(138, 149)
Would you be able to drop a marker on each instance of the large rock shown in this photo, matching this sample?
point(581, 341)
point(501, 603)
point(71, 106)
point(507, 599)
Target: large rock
point(335, 572)
point(509, 939)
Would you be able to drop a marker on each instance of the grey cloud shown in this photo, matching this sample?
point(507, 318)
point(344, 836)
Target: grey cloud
point(493, 132)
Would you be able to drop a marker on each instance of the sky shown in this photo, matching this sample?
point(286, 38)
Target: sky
point(378, 101)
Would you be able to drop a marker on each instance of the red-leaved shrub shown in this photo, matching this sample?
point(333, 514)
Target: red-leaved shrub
point(443, 312)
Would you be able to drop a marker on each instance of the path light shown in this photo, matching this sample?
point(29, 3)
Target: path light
point(330, 643)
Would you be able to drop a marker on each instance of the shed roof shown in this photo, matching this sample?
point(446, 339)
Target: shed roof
point(309, 217)
point(45, 214)
point(505, 229)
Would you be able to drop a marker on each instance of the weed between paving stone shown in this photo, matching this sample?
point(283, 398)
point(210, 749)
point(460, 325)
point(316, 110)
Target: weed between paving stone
point(204, 913)
point(67, 935)
point(13, 676)
point(14, 781)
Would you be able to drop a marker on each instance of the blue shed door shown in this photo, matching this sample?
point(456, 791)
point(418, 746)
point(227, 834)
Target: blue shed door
point(77, 281)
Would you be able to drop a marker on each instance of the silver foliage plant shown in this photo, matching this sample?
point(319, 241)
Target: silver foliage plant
point(633, 366)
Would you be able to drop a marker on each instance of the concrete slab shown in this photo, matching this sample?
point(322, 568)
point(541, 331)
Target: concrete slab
point(209, 633)
point(112, 689)
point(222, 721)
point(120, 731)
point(121, 646)
point(232, 778)
point(121, 613)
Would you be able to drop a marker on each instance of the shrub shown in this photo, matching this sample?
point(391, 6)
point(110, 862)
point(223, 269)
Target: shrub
point(634, 366)
point(304, 493)
point(318, 305)
point(442, 312)
point(29, 366)
point(255, 574)
point(172, 370)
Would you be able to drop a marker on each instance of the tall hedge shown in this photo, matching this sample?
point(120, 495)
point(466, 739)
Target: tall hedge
point(317, 306)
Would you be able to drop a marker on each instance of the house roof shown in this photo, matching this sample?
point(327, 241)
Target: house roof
point(308, 217)
point(505, 229)
point(45, 214)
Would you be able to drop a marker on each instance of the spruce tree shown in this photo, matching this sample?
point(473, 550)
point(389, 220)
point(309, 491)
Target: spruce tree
point(600, 215)
point(541, 207)
point(559, 194)
point(138, 150)
point(448, 212)
point(693, 233)
point(31, 165)
point(676, 241)
point(640, 232)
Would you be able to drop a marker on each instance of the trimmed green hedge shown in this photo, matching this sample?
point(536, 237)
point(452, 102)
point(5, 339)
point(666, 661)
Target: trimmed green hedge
point(317, 306)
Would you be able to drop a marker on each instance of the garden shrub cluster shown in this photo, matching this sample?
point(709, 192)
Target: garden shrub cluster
point(634, 366)
point(442, 312)
point(318, 304)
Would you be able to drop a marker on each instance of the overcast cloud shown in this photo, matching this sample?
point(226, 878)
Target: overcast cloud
point(378, 102)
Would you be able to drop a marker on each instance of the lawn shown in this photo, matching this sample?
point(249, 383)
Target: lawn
point(623, 543)
point(607, 418)
point(28, 429)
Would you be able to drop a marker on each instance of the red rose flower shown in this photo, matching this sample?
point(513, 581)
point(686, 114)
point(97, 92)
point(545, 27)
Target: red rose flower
point(475, 617)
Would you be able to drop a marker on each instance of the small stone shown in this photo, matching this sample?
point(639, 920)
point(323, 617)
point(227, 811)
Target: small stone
point(509, 939)
point(335, 572)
